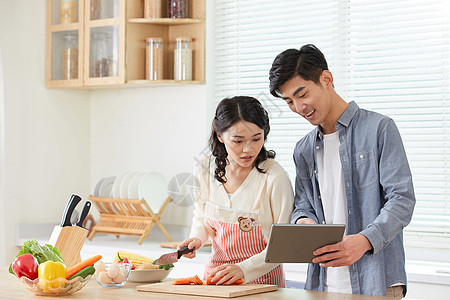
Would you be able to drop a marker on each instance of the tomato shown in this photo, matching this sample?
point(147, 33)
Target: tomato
point(126, 260)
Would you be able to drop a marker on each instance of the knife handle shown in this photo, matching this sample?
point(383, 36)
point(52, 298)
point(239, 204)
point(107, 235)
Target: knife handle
point(70, 207)
point(84, 213)
point(184, 250)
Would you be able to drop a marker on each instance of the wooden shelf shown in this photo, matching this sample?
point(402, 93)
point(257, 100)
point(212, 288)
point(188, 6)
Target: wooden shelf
point(146, 83)
point(166, 21)
point(104, 22)
point(64, 27)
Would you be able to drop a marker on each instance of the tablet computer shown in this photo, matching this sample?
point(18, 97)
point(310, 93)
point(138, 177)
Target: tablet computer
point(295, 243)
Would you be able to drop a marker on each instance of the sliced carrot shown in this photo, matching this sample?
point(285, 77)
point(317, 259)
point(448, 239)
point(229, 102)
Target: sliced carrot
point(237, 282)
point(80, 266)
point(189, 280)
point(198, 280)
point(178, 281)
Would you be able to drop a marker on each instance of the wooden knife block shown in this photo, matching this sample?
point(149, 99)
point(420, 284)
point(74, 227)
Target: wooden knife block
point(69, 240)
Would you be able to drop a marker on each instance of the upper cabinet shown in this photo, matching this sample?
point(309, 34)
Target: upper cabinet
point(128, 43)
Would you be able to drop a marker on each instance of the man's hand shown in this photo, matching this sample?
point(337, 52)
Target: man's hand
point(349, 250)
point(305, 221)
point(226, 274)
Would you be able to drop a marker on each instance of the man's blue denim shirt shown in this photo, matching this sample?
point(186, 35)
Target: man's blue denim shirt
point(379, 190)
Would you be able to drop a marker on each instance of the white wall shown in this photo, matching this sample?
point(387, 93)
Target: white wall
point(3, 260)
point(148, 129)
point(46, 131)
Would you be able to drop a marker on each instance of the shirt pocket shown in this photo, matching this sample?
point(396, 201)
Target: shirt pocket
point(305, 174)
point(364, 168)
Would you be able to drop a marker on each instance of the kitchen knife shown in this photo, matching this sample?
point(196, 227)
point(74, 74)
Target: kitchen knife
point(84, 213)
point(70, 207)
point(170, 258)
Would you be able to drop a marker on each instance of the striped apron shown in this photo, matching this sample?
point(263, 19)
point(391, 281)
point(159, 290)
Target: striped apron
point(236, 237)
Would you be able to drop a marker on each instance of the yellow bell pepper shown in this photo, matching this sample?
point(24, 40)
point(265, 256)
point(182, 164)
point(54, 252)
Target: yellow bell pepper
point(51, 275)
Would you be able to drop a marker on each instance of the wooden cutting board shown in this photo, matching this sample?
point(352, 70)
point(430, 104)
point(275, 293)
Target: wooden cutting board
point(222, 291)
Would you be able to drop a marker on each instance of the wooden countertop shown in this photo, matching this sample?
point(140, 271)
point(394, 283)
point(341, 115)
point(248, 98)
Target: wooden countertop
point(10, 288)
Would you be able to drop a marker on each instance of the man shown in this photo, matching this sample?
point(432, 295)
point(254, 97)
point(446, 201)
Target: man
point(351, 169)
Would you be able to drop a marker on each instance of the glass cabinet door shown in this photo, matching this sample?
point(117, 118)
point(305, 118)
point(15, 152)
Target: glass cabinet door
point(104, 31)
point(65, 11)
point(104, 9)
point(65, 55)
point(64, 43)
point(104, 49)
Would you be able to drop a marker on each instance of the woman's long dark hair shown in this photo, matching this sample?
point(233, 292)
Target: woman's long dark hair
point(229, 112)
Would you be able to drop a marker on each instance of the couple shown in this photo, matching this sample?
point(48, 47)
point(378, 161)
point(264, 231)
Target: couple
point(351, 169)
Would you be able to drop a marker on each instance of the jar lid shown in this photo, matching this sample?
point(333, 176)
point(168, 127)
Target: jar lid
point(154, 39)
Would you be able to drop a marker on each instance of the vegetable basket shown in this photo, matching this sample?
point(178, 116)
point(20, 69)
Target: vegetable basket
point(56, 287)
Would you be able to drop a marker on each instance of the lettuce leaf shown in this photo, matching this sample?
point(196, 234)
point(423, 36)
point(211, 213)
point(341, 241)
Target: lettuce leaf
point(41, 252)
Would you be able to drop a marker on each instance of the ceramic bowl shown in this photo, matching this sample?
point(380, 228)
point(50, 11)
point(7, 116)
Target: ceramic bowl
point(124, 269)
point(57, 287)
point(152, 275)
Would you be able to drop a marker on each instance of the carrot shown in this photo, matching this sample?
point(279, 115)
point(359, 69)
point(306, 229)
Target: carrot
point(178, 281)
point(197, 280)
point(237, 282)
point(80, 266)
point(189, 280)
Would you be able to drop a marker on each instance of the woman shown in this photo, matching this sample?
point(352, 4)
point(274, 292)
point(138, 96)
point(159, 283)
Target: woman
point(242, 192)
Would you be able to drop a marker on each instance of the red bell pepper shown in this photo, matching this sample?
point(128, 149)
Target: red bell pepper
point(26, 265)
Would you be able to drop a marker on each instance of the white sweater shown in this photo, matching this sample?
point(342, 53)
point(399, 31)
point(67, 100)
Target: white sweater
point(275, 208)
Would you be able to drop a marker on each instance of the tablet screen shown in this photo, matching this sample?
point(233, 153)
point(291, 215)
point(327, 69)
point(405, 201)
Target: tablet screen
point(295, 243)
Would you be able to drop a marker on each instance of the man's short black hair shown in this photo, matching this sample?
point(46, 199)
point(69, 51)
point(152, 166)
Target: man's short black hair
point(308, 62)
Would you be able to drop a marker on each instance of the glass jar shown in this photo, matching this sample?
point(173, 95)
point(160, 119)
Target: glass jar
point(178, 9)
point(152, 9)
point(104, 9)
point(154, 59)
point(183, 59)
point(70, 56)
point(68, 11)
point(100, 59)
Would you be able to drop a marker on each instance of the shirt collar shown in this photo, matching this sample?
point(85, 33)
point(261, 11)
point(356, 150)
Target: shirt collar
point(348, 114)
point(344, 120)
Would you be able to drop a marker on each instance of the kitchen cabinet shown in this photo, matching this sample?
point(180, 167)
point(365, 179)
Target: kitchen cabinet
point(102, 43)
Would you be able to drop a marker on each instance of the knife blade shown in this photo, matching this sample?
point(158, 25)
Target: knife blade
point(84, 213)
point(170, 258)
point(70, 207)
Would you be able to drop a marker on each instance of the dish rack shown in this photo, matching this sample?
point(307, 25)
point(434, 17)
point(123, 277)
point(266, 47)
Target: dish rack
point(127, 217)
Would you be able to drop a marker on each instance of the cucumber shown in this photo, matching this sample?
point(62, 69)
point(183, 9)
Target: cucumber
point(84, 272)
point(165, 267)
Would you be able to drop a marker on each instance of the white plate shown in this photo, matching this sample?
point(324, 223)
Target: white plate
point(153, 188)
point(106, 187)
point(116, 186)
point(133, 185)
point(124, 185)
point(152, 275)
point(97, 187)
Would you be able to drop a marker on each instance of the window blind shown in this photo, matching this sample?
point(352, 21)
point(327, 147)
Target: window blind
point(390, 56)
